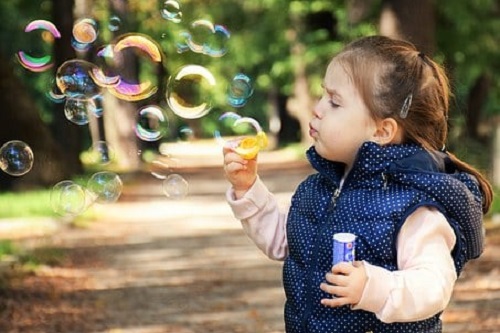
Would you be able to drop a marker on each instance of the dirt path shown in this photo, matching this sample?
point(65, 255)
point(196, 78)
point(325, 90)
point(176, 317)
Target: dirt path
point(156, 265)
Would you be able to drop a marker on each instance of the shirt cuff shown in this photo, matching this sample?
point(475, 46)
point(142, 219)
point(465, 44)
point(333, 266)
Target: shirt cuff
point(251, 203)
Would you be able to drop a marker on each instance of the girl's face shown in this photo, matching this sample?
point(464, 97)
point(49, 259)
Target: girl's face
point(341, 122)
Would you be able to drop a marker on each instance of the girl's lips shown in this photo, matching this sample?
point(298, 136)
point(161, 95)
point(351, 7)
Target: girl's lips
point(312, 131)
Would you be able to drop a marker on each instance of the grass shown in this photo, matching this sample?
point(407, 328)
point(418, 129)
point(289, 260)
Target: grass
point(26, 204)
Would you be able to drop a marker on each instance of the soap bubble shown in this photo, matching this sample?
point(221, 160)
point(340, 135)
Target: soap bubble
point(105, 187)
point(171, 11)
point(114, 23)
point(73, 78)
point(207, 38)
point(85, 31)
point(77, 110)
point(189, 91)
point(68, 198)
point(239, 90)
point(175, 186)
point(36, 60)
point(105, 72)
point(16, 158)
point(152, 123)
point(144, 45)
point(243, 134)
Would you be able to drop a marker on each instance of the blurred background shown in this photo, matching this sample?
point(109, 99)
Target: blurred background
point(98, 95)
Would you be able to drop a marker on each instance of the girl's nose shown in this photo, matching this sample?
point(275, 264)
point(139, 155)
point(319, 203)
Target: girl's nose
point(316, 111)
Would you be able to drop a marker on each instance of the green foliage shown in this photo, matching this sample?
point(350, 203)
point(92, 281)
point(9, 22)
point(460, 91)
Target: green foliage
point(469, 42)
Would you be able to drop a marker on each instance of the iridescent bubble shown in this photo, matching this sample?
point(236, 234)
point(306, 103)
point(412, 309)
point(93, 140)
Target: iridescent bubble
point(105, 72)
point(207, 38)
point(243, 134)
point(239, 91)
point(40, 62)
point(175, 186)
point(200, 33)
point(189, 91)
point(77, 110)
point(16, 158)
point(85, 31)
point(141, 42)
point(115, 23)
point(171, 11)
point(216, 45)
point(182, 44)
point(135, 91)
point(105, 187)
point(73, 78)
point(68, 198)
point(54, 94)
point(186, 134)
point(152, 123)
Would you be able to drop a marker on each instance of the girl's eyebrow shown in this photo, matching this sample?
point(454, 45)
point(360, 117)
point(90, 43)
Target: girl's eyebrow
point(331, 92)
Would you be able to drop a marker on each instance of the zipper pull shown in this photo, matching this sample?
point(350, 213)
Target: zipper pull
point(336, 194)
point(385, 179)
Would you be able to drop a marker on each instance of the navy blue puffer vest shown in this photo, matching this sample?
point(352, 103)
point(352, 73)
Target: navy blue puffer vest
point(385, 185)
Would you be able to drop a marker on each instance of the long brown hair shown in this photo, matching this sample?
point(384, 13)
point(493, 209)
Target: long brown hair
point(395, 80)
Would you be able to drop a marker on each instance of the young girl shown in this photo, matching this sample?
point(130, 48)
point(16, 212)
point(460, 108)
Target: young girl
point(384, 175)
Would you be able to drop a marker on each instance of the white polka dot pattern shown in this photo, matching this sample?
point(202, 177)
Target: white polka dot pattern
point(385, 185)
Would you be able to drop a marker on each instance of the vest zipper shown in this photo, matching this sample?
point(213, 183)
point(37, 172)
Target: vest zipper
point(335, 196)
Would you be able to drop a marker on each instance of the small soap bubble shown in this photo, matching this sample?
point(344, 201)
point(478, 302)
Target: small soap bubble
point(16, 158)
point(85, 31)
point(239, 90)
point(189, 91)
point(216, 45)
point(207, 38)
point(68, 198)
point(77, 110)
point(171, 11)
point(175, 186)
point(115, 23)
point(74, 80)
point(186, 134)
point(105, 187)
point(243, 134)
point(152, 123)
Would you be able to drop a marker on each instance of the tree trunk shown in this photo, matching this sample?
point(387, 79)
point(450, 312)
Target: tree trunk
point(67, 134)
point(411, 20)
point(119, 115)
point(478, 95)
point(20, 120)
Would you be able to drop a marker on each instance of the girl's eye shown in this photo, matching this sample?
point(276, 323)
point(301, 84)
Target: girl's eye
point(333, 104)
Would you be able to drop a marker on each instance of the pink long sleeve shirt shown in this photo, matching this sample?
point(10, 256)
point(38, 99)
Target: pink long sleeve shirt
point(423, 283)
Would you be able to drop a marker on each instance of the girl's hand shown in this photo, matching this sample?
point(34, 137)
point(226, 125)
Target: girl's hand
point(346, 283)
point(240, 172)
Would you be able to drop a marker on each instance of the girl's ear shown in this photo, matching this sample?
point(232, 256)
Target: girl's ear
point(387, 132)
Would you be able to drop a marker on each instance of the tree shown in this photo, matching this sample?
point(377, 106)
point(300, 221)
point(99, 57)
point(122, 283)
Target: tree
point(21, 120)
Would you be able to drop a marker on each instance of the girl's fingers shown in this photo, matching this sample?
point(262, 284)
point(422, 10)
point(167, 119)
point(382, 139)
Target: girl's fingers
point(232, 167)
point(337, 279)
point(335, 302)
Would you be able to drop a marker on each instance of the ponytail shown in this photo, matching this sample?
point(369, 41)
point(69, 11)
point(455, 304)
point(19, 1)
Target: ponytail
point(484, 184)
